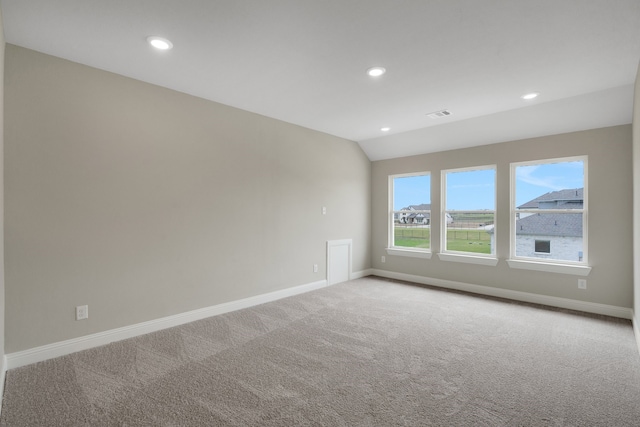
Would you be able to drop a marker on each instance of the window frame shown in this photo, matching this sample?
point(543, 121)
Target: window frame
point(445, 254)
point(391, 249)
point(580, 268)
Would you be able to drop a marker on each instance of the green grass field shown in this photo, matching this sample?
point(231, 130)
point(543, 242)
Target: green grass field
point(412, 237)
point(473, 217)
point(476, 241)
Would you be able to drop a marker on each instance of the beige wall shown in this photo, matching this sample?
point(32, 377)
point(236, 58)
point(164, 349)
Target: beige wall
point(2, 296)
point(143, 202)
point(636, 198)
point(610, 215)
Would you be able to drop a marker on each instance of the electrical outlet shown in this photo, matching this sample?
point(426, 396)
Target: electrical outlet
point(324, 210)
point(315, 268)
point(82, 312)
point(383, 259)
point(582, 284)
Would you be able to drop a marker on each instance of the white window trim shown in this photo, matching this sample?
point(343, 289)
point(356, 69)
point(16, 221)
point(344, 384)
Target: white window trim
point(401, 250)
point(413, 253)
point(458, 256)
point(479, 259)
point(549, 265)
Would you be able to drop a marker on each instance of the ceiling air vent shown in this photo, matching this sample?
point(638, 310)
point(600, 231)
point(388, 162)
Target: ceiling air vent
point(439, 114)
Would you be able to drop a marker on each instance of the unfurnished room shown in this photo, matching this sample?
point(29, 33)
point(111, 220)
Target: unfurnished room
point(320, 213)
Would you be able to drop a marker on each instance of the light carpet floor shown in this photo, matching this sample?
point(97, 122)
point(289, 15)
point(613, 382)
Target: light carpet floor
point(370, 352)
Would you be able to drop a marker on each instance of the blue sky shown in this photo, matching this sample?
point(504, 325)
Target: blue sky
point(411, 190)
point(474, 190)
point(471, 190)
point(534, 181)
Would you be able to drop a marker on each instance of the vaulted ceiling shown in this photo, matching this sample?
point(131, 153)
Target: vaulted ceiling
point(304, 61)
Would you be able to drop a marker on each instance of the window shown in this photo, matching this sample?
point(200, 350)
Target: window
point(468, 203)
point(410, 213)
point(549, 211)
point(543, 246)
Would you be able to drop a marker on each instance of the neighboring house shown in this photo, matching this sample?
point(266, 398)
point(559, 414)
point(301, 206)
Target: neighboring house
point(417, 218)
point(562, 199)
point(552, 236)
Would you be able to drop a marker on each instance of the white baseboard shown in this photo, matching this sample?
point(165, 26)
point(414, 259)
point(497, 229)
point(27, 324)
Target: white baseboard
point(3, 374)
point(62, 348)
point(38, 354)
point(360, 274)
point(589, 307)
point(636, 329)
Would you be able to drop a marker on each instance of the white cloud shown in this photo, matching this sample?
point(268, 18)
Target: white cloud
point(525, 174)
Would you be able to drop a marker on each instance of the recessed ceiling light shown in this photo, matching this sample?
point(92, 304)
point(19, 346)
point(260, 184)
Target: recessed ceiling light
point(530, 96)
point(385, 129)
point(159, 42)
point(376, 71)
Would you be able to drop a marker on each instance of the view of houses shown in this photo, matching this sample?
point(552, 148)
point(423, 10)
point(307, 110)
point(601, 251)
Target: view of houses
point(414, 216)
point(551, 235)
point(545, 234)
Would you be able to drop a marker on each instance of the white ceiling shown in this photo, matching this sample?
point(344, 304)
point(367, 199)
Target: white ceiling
point(304, 61)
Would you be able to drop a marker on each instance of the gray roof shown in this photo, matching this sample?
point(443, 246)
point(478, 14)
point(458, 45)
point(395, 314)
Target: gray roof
point(424, 215)
point(568, 225)
point(560, 196)
point(421, 207)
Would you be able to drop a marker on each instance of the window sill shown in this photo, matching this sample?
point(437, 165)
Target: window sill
point(469, 259)
point(409, 253)
point(576, 270)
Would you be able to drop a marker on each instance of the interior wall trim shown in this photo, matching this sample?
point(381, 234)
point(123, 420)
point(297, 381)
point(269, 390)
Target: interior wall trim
point(3, 373)
point(588, 307)
point(62, 348)
point(636, 330)
point(360, 274)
